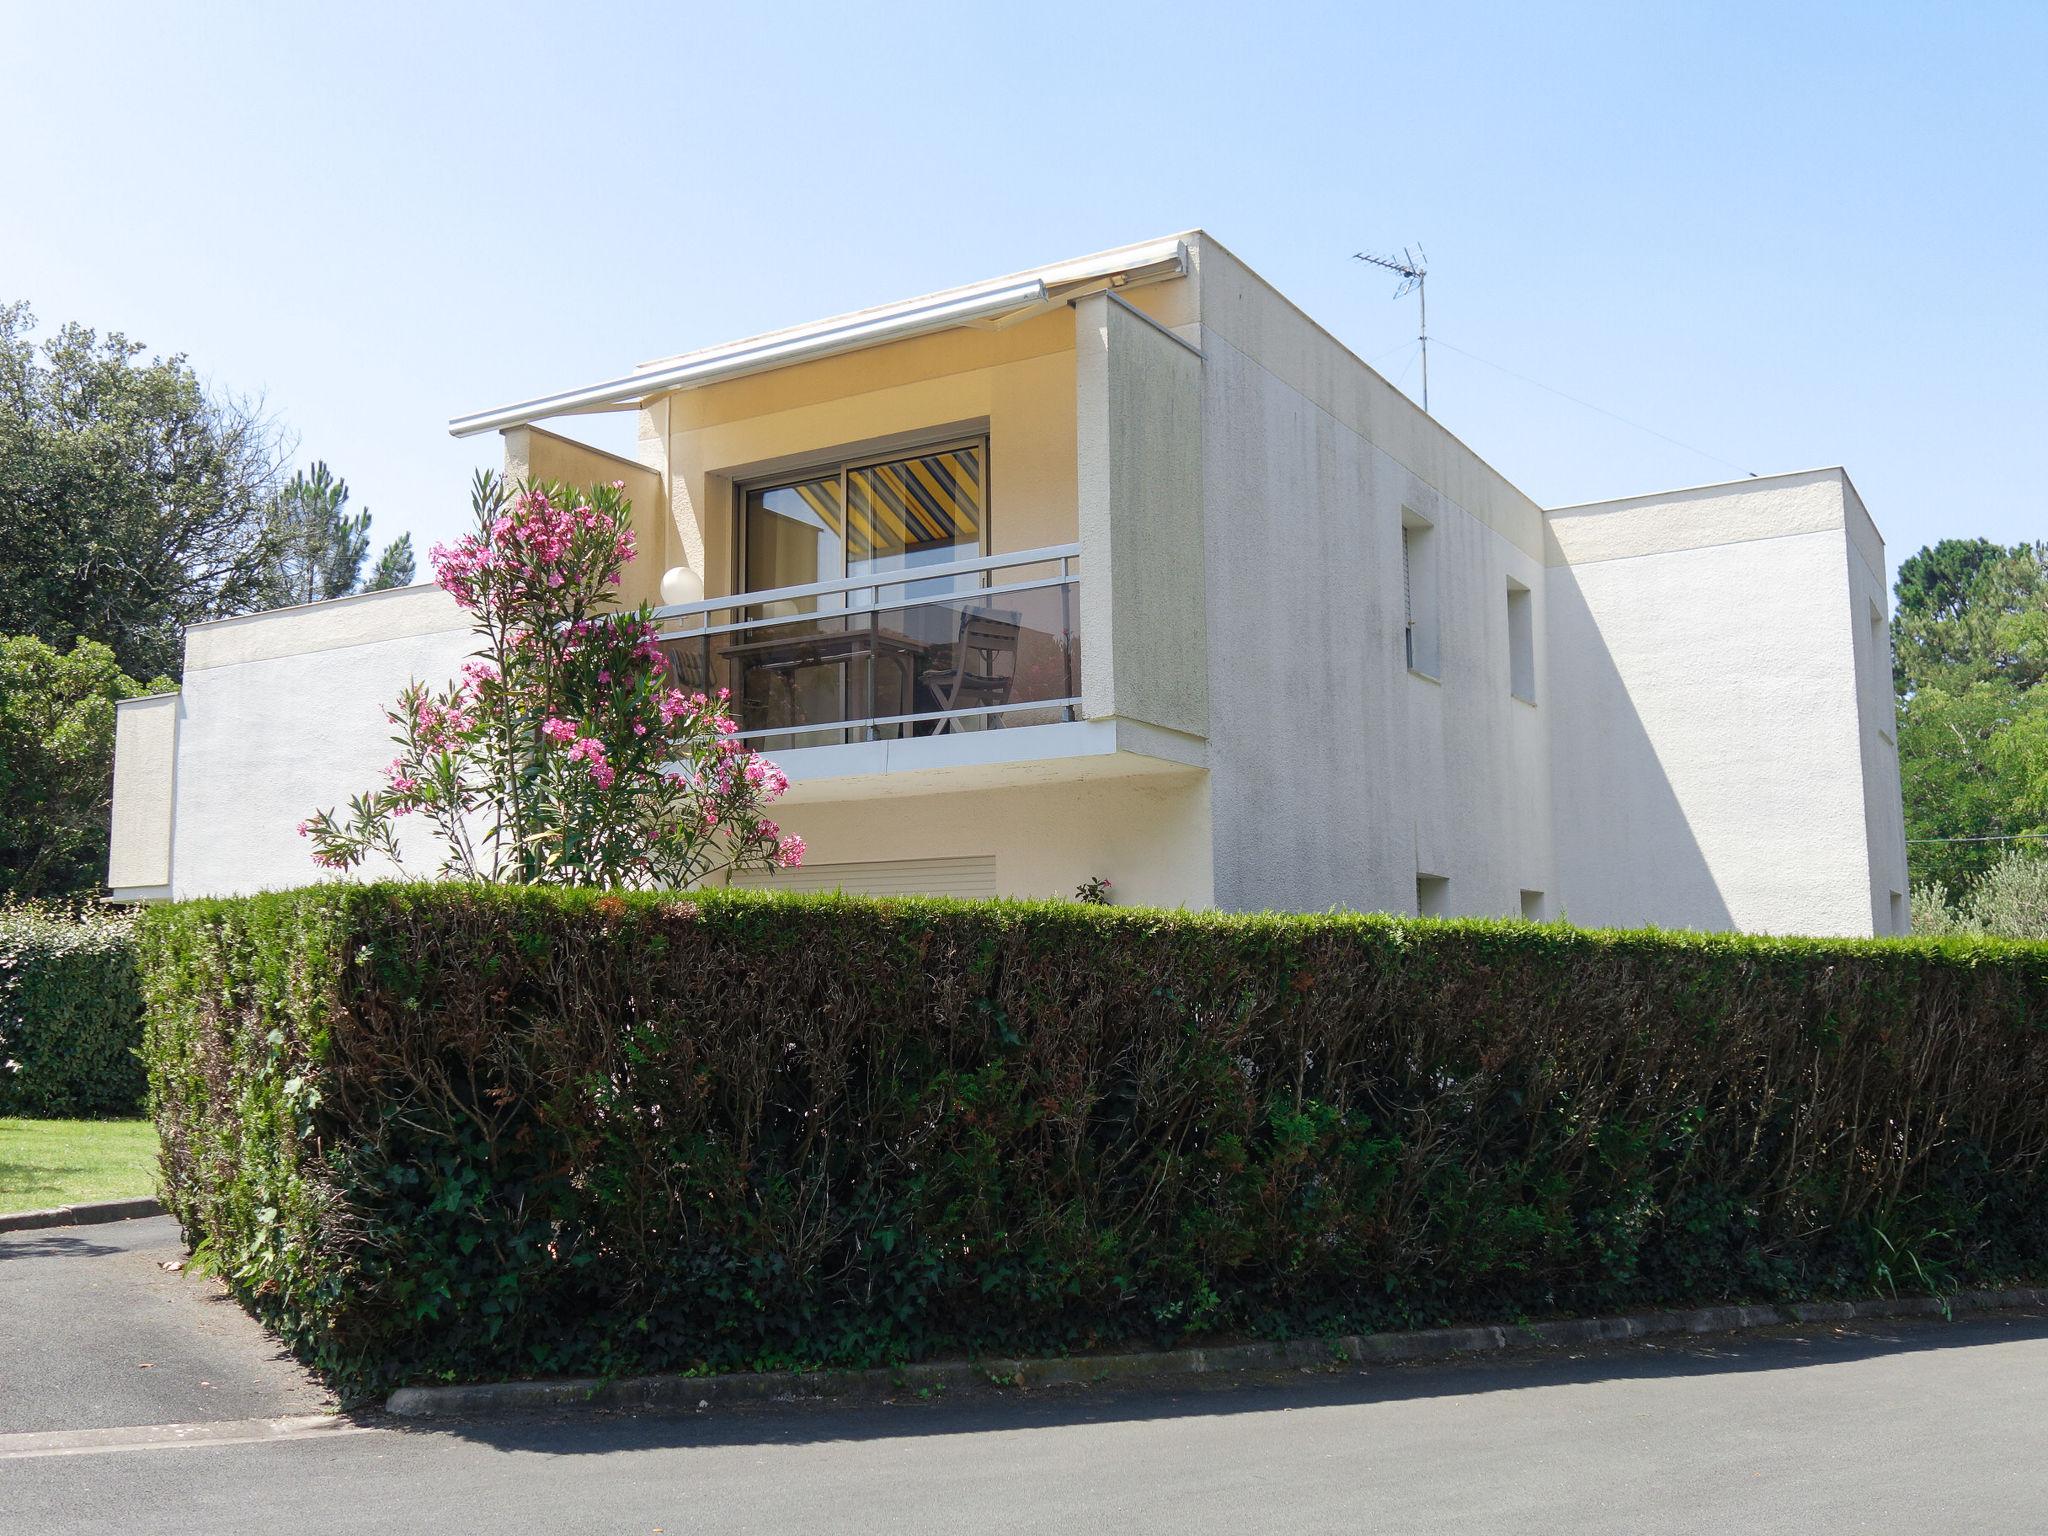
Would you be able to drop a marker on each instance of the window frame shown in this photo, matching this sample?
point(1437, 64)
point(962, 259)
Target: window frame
point(1521, 629)
point(1421, 597)
point(841, 463)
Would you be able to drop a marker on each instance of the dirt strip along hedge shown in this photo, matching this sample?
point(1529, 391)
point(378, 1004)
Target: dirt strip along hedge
point(443, 1132)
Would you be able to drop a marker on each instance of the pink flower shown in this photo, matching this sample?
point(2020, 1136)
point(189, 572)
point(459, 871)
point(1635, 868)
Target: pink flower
point(763, 775)
point(590, 750)
point(789, 852)
point(557, 729)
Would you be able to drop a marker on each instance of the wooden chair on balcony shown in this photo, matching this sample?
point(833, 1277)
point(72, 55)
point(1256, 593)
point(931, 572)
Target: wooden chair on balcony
point(981, 671)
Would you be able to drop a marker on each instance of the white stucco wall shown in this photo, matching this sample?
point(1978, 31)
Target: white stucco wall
point(1715, 730)
point(282, 714)
point(145, 762)
point(1877, 706)
point(1144, 627)
point(1337, 775)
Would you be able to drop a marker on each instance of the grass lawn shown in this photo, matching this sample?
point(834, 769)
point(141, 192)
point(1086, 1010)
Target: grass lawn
point(61, 1162)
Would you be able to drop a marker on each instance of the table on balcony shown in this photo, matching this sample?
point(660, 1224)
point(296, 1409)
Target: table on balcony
point(784, 656)
point(868, 622)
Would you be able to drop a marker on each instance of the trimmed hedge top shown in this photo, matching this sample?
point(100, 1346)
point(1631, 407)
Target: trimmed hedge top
point(439, 1132)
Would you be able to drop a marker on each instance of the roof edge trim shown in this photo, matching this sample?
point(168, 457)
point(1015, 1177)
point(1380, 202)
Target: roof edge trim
point(843, 333)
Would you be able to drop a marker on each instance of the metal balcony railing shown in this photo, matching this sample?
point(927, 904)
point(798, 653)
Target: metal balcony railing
point(970, 645)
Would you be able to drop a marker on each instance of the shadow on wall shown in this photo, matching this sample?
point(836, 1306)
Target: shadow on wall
point(1626, 853)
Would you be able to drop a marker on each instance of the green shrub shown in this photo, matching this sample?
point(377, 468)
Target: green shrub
point(448, 1131)
point(2008, 901)
point(70, 1013)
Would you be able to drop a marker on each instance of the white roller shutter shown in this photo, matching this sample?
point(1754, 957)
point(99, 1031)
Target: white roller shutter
point(971, 875)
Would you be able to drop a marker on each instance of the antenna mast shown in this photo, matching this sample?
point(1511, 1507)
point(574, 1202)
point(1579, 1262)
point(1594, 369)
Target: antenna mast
point(1413, 271)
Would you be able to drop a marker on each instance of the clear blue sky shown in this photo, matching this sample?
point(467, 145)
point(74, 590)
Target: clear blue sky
point(1785, 234)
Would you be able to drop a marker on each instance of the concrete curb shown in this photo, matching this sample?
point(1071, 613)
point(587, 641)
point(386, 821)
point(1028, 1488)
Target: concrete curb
point(85, 1214)
point(943, 1377)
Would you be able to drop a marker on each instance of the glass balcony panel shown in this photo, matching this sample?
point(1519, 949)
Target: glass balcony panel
point(989, 660)
point(918, 656)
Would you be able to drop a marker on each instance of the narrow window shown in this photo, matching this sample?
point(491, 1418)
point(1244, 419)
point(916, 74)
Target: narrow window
point(1899, 922)
point(1532, 906)
point(1418, 593)
point(1407, 599)
point(1521, 642)
point(1432, 895)
point(1882, 704)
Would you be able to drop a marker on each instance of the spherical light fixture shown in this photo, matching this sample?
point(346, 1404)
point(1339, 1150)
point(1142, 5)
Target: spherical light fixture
point(680, 584)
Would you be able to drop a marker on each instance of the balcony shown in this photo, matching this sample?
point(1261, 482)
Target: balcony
point(969, 647)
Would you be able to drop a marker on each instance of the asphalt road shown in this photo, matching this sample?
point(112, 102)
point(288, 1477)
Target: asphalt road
point(1915, 1427)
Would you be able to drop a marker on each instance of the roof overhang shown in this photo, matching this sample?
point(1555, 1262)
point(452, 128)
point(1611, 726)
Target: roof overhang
point(1002, 302)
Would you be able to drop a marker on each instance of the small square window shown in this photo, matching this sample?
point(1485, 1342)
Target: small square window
point(1533, 906)
point(1433, 895)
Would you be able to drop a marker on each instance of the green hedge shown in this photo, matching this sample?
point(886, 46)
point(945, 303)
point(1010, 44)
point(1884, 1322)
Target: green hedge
point(439, 1132)
point(70, 1014)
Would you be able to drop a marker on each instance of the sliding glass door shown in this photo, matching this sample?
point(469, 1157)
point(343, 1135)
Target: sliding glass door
point(861, 653)
point(866, 519)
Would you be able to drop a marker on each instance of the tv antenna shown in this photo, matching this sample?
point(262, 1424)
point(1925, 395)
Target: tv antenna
point(1412, 271)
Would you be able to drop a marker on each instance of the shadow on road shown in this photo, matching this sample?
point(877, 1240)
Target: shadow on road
point(54, 1243)
point(813, 1421)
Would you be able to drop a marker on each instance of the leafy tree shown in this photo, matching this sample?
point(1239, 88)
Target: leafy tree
point(1970, 646)
point(57, 763)
point(2008, 901)
point(321, 545)
point(135, 502)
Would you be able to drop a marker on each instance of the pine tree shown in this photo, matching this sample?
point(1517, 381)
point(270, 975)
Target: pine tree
point(321, 545)
point(394, 567)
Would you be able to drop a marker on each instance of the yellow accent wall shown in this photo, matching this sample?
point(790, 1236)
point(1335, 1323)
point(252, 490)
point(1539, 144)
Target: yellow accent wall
point(1018, 384)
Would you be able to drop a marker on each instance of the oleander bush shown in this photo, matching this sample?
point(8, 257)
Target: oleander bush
point(565, 755)
point(70, 1013)
point(434, 1132)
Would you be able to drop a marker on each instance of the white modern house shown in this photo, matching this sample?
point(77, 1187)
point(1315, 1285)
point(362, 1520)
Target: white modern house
point(1124, 567)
